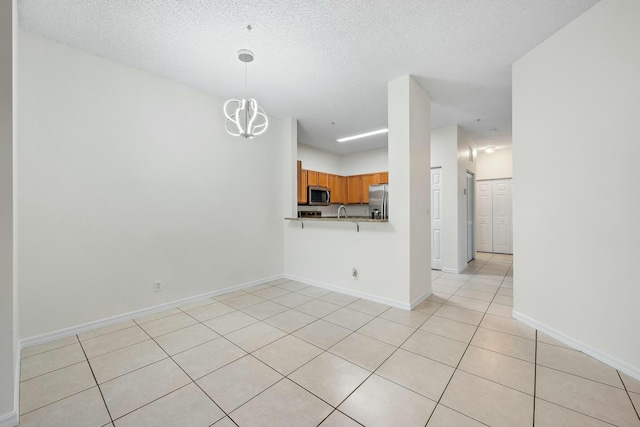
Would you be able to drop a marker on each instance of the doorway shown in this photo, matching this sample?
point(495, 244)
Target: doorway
point(494, 216)
point(470, 193)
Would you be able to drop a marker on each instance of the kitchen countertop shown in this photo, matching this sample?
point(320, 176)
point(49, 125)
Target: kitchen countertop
point(336, 219)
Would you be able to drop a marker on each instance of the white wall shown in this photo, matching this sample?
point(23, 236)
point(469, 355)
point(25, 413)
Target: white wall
point(450, 151)
point(316, 159)
point(125, 178)
point(8, 327)
point(363, 162)
point(324, 253)
point(576, 99)
point(358, 163)
point(496, 165)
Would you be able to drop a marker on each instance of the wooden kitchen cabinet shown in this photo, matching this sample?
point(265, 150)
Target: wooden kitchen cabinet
point(323, 179)
point(384, 177)
point(339, 196)
point(302, 187)
point(354, 191)
point(344, 185)
point(365, 180)
point(312, 177)
point(333, 187)
point(338, 187)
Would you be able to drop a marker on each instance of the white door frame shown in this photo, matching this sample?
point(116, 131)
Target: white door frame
point(471, 212)
point(436, 218)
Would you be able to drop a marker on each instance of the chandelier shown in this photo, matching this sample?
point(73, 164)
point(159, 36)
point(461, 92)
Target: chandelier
point(244, 117)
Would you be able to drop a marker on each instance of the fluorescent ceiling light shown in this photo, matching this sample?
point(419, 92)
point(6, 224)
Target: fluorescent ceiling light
point(490, 149)
point(363, 135)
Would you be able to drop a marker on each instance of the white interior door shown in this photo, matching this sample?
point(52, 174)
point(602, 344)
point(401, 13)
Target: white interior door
point(502, 216)
point(470, 215)
point(436, 218)
point(484, 206)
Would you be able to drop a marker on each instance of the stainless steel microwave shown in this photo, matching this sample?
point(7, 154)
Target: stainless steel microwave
point(319, 196)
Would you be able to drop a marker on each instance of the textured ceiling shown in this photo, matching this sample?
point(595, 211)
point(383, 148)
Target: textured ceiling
point(323, 61)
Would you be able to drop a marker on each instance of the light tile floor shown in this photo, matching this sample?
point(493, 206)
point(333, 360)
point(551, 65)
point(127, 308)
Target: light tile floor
point(286, 354)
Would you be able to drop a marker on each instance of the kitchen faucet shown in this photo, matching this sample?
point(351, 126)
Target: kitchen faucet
point(345, 210)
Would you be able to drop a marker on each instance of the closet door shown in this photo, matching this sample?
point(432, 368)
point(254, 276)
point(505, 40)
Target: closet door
point(502, 216)
point(484, 206)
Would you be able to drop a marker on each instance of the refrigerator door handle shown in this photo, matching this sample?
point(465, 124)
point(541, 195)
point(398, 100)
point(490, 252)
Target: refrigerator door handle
point(386, 202)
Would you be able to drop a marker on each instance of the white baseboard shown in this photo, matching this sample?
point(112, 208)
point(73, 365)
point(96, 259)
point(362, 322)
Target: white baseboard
point(454, 270)
point(614, 362)
point(421, 298)
point(363, 295)
point(12, 419)
point(95, 324)
point(16, 383)
point(9, 420)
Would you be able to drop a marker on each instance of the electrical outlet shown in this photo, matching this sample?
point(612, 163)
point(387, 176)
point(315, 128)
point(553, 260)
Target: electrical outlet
point(354, 273)
point(157, 287)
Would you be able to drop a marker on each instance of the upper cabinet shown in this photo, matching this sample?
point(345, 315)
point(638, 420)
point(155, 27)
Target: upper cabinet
point(338, 187)
point(354, 189)
point(323, 179)
point(366, 181)
point(312, 178)
point(302, 184)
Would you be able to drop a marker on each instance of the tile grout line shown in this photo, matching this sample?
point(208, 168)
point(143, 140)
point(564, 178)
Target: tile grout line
point(54, 370)
point(577, 412)
point(108, 333)
point(629, 395)
point(580, 376)
point(337, 410)
point(50, 350)
point(96, 380)
point(56, 401)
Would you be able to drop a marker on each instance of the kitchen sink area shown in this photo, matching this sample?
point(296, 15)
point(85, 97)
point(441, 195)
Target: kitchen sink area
point(316, 216)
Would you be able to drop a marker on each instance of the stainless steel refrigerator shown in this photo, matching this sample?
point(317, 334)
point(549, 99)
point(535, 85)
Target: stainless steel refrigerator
point(379, 201)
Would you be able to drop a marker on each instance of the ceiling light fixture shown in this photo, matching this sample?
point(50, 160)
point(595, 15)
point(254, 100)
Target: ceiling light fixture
point(244, 116)
point(490, 149)
point(363, 135)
